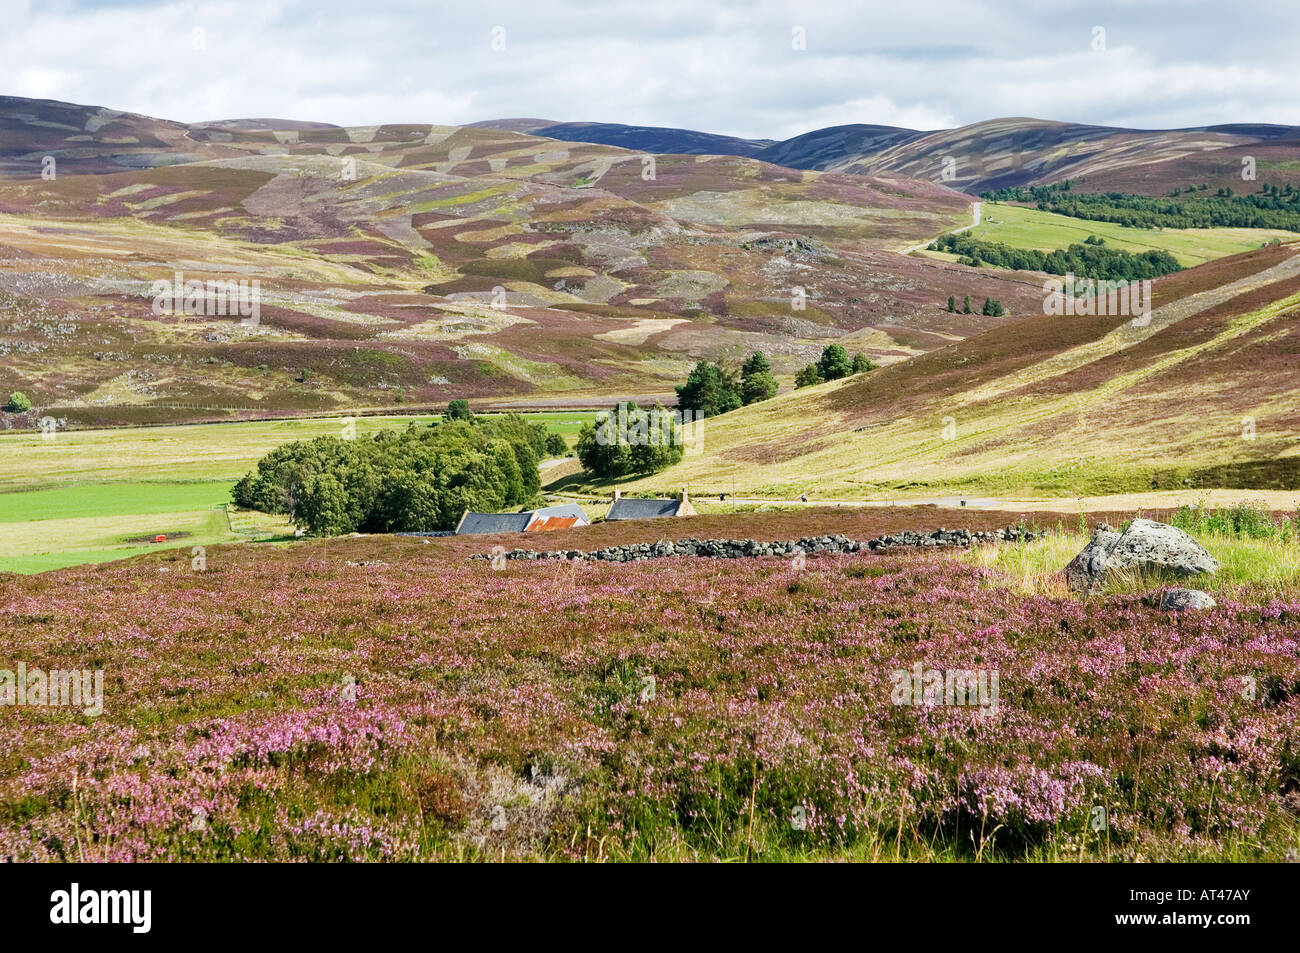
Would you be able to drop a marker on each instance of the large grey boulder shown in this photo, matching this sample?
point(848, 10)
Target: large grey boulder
point(1145, 546)
point(1180, 600)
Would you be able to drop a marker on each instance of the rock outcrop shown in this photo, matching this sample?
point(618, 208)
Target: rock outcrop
point(1179, 600)
point(1144, 546)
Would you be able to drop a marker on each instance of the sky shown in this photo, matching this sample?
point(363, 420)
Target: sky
point(759, 69)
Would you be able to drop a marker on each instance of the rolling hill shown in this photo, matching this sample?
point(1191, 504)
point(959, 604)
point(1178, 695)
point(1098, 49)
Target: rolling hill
point(997, 153)
point(1006, 152)
point(825, 148)
point(655, 139)
point(401, 266)
point(1203, 395)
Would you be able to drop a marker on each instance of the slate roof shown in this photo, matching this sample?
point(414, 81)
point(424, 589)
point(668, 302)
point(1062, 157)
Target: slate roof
point(628, 509)
point(493, 523)
point(547, 518)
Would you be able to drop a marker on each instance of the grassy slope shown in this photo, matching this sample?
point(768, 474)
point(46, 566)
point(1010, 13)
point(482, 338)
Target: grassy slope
point(1067, 406)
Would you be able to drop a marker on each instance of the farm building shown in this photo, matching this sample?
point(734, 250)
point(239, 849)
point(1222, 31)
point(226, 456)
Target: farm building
point(564, 516)
point(629, 509)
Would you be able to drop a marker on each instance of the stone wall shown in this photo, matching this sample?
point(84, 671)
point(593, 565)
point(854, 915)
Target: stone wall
point(741, 548)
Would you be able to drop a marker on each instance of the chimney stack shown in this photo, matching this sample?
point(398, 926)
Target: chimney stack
point(617, 494)
point(685, 496)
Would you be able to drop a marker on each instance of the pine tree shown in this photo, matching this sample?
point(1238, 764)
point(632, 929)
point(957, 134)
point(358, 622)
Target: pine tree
point(862, 363)
point(458, 410)
point(808, 377)
point(709, 390)
point(756, 380)
point(834, 363)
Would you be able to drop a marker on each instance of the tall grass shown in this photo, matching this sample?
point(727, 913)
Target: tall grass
point(1258, 556)
point(1243, 520)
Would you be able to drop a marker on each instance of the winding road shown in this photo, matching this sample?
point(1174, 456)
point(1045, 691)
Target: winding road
point(956, 231)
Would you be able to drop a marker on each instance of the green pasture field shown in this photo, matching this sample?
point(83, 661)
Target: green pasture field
point(89, 496)
point(1022, 227)
point(79, 500)
point(188, 453)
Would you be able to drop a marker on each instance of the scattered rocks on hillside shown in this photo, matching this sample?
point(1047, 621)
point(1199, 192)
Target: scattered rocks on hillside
point(1178, 600)
point(802, 248)
point(741, 548)
point(1144, 546)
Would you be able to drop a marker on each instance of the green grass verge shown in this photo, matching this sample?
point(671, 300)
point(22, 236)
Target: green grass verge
point(110, 499)
point(44, 562)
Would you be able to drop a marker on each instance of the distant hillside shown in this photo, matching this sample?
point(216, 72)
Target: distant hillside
point(653, 139)
point(263, 125)
point(1256, 130)
point(830, 147)
point(522, 125)
point(403, 265)
point(1202, 395)
point(87, 139)
point(998, 153)
point(1006, 152)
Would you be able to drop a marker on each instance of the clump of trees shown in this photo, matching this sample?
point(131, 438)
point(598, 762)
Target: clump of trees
point(711, 390)
point(1083, 260)
point(420, 479)
point(992, 307)
point(834, 364)
point(552, 446)
point(628, 440)
point(1271, 207)
point(19, 403)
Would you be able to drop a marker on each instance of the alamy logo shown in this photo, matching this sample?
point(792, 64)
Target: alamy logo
point(209, 299)
point(134, 907)
point(954, 686)
point(1087, 296)
point(57, 688)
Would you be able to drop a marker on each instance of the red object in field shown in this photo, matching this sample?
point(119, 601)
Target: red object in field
point(549, 523)
point(160, 538)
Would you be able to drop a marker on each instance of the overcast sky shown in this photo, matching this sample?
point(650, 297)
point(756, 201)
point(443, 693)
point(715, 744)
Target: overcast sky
point(714, 65)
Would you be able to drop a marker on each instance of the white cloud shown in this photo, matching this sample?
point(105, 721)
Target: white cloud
point(725, 66)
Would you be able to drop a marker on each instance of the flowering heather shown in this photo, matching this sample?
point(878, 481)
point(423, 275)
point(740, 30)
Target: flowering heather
point(388, 699)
